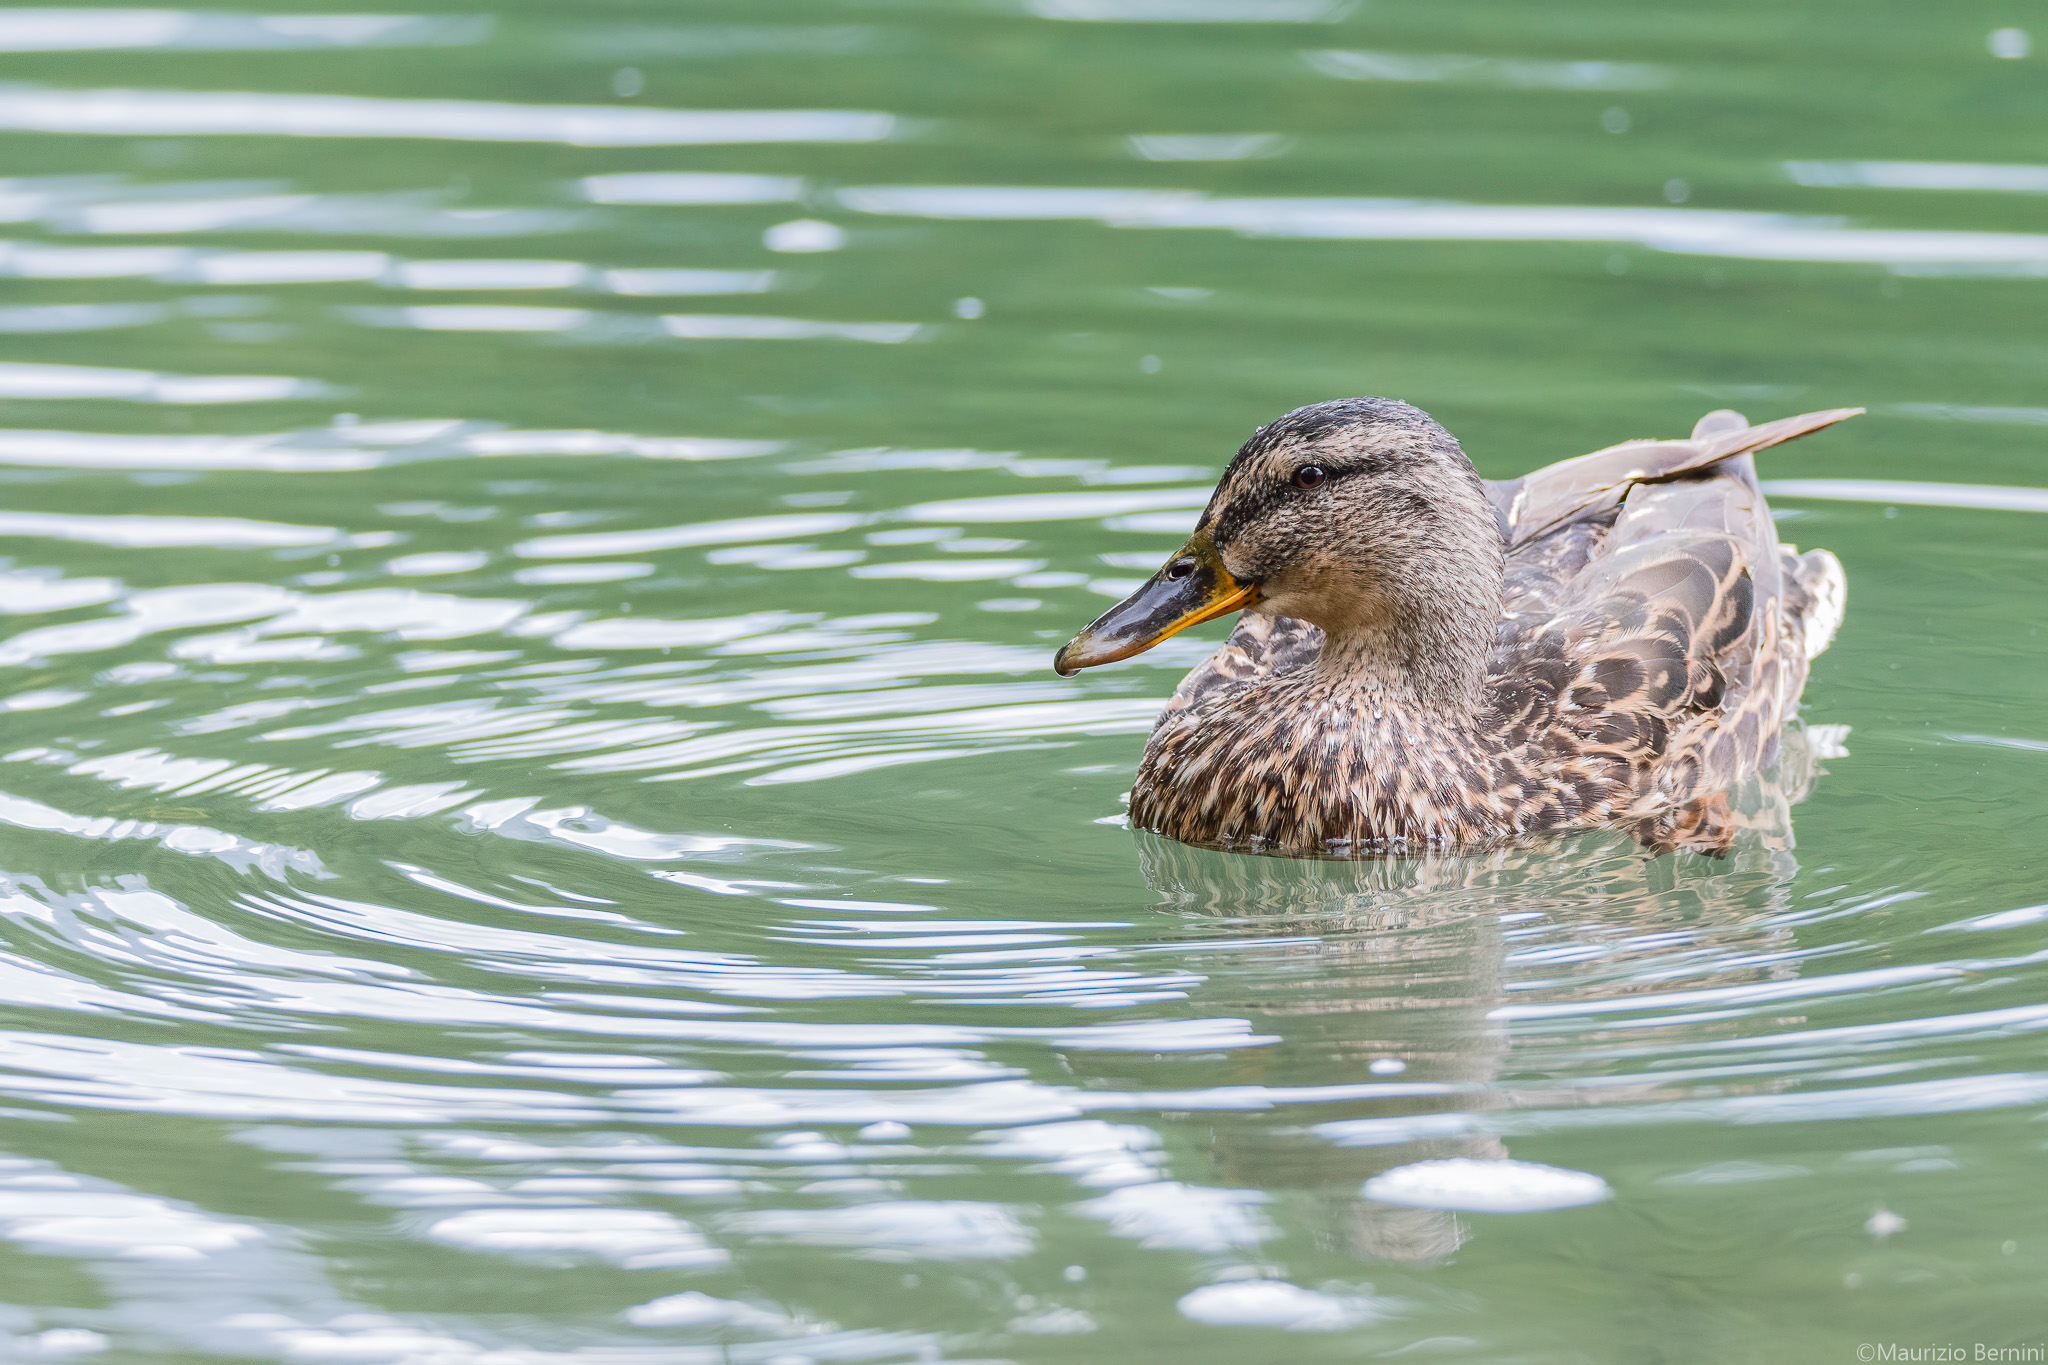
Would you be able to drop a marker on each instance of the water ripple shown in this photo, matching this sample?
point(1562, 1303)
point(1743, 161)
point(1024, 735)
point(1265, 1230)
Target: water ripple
point(539, 826)
point(175, 113)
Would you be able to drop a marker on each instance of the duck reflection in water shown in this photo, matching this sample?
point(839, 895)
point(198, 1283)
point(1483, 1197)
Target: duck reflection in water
point(1404, 962)
point(1428, 661)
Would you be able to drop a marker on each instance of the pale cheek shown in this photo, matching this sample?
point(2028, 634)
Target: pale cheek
point(1289, 596)
point(1333, 598)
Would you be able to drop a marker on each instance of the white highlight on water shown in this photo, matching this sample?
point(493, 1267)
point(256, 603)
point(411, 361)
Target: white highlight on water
point(1475, 1186)
point(180, 113)
point(1275, 1303)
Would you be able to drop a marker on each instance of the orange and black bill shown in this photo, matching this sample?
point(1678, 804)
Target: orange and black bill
point(1193, 587)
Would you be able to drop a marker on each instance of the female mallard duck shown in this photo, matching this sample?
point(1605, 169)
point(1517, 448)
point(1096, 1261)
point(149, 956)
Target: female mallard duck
point(1431, 661)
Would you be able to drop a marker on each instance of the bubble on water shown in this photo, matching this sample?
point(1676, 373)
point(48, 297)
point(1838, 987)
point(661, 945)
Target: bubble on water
point(967, 308)
point(1387, 1066)
point(1676, 191)
point(628, 82)
point(2009, 43)
point(1883, 1223)
point(1615, 120)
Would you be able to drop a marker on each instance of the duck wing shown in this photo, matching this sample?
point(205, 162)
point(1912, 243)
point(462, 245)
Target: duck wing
point(1590, 485)
point(1655, 644)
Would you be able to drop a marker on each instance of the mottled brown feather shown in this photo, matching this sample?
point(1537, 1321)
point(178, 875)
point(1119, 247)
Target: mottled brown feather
point(1653, 641)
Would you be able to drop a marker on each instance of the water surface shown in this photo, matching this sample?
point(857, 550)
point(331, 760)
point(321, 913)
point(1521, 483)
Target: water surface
point(539, 826)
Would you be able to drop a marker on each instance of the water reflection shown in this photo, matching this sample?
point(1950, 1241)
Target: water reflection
point(1413, 967)
point(342, 447)
point(80, 30)
point(1691, 232)
point(1193, 11)
point(1398, 963)
point(1519, 73)
point(1919, 175)
point(30, 380)
point(181, 113)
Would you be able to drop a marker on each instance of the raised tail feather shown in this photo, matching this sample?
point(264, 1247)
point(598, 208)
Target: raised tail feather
point(1540, 501)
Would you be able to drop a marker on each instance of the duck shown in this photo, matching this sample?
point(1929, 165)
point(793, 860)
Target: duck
point(1426, 661)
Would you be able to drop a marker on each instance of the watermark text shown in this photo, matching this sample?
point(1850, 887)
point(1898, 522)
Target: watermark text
point(1952, 1352)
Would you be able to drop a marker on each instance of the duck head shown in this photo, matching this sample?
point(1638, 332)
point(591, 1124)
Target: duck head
point(1361, 516)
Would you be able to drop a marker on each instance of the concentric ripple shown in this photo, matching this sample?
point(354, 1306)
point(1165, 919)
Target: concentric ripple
point(536, 823)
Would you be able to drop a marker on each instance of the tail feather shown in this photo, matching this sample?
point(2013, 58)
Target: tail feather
point(1535, 503)
point(1816, 597)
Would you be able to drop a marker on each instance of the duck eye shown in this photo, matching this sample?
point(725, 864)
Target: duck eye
point(1180, 568)
point(1308, 476)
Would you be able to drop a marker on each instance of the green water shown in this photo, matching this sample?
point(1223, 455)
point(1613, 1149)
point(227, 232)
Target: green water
point(536, 823)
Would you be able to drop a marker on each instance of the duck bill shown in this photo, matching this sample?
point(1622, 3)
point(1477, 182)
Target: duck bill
point(1164, 607)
